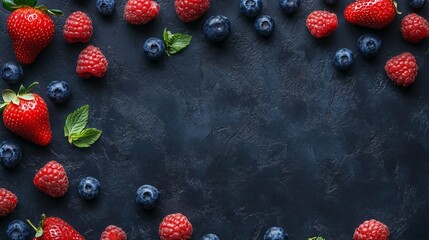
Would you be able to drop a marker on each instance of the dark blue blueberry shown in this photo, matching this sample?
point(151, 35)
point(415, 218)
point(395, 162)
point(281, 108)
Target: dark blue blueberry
point(210, 236)
point(369, 44)
point(343, 59)
point(10, 154)
point(147, 196)
point(89, 188)
point(417, 3)
point(154, 48)
point(58, 91)
point(330, 2)
point(276, 233)
point(17, 230)
point(105, 7)
point(12, 72)
point(217, 28)
point(290, 6)
point(264, 25)
point(250, 8)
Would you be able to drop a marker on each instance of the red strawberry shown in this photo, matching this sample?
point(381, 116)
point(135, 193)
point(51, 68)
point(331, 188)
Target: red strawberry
point(31, 30)
point(53, 228)
point(371, 230)
point(191, 10)
point(175, 227)
point(91, 63)
point(375, 14)
point(113, 232)
point(78, 28)
point(8, 202)
point(414, 28)
point(52, 179)
point(321, 23)
point(140, 11)
point(26, 115)
point(402, 69)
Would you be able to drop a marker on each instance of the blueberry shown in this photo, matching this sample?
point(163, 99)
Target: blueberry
point(264, 25)
point(10, 154)
point(369, 44)
point(250, 8)
point(12, 72)
point(330, 2)
point(416, 3)
point(154, 48)
point(17, 230)
point(89, 188)
point(343, 59)
point(105, 7)
point(275, 233)
point(290, 6)
point(58, 91)
point(217, 28)
point(147, 196)
point(210, 236)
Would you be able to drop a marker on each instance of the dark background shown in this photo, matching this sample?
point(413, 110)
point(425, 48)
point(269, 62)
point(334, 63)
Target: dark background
point(239, 137)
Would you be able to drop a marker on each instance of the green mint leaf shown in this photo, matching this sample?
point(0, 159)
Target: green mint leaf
point(31, 3)
point(175, 42)
point(86, 138)
point(76, 121)
point(9, 5)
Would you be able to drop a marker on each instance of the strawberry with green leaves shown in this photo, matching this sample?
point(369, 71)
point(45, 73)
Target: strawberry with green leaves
point(26, 114)
point(54, 228)
point(30, 28)
point(374, 14)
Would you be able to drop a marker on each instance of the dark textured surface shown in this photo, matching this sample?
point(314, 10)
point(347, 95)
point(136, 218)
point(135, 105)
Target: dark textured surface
point(238, 137)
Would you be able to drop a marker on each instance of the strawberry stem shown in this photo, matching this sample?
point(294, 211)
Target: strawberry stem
point(39, 229)
point(31, 225)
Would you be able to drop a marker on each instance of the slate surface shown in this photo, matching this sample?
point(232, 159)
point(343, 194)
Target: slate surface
point(239, 137)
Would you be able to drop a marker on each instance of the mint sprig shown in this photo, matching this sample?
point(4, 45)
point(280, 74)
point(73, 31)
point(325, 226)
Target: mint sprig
point(75, 128)
point(175, 42)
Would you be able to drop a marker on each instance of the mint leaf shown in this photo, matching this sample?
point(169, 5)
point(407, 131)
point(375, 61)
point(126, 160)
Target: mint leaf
point(76, 121)
point(86, 138)
point(175, 42)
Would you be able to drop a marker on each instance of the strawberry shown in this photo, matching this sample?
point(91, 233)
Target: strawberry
point(26, 115)
point(175, 227)
point(91, 63)
point(78, 28)
point(191, 10)
point(113, 232)
point(402, 69)
point(321, 23)
point(141, 11)
point(52, 179)
point(414, 28)
point(54, 228)
point(371, 230)
point(30, 28)
point(375, 14)
point(8, 202)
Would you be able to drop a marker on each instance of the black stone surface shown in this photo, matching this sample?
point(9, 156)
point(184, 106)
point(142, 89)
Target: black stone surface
point(239, 137)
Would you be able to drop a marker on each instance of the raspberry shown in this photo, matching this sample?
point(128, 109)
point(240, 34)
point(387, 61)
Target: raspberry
point(175, 227)
point(8, 202)
point(113, 232)
point(371, 230)
point(402, 69)
point(191, 10)
point(78, 28)
point(141, 11)
point(91, 63)
point(321, 23)
point(52, 179)
point(414, 28)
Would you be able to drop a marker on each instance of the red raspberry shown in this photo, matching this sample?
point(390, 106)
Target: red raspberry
point(191, 10)
point(402, 69)
point(113, 232)
point(414, 28)
point(78, 28)
point(321, 23)
point(8, 202)
point(175, 227)
point(141, 11)
point(371, 230)
point(52, 179)
point(91, 63)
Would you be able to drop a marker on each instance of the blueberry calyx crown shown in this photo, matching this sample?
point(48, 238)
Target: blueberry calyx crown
point(12, 5)
point(10, 96)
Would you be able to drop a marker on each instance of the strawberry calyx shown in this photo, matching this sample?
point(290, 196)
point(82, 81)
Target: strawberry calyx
point(9, 96)
point(13, 5)
point(395, 4)
point(38, 229)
